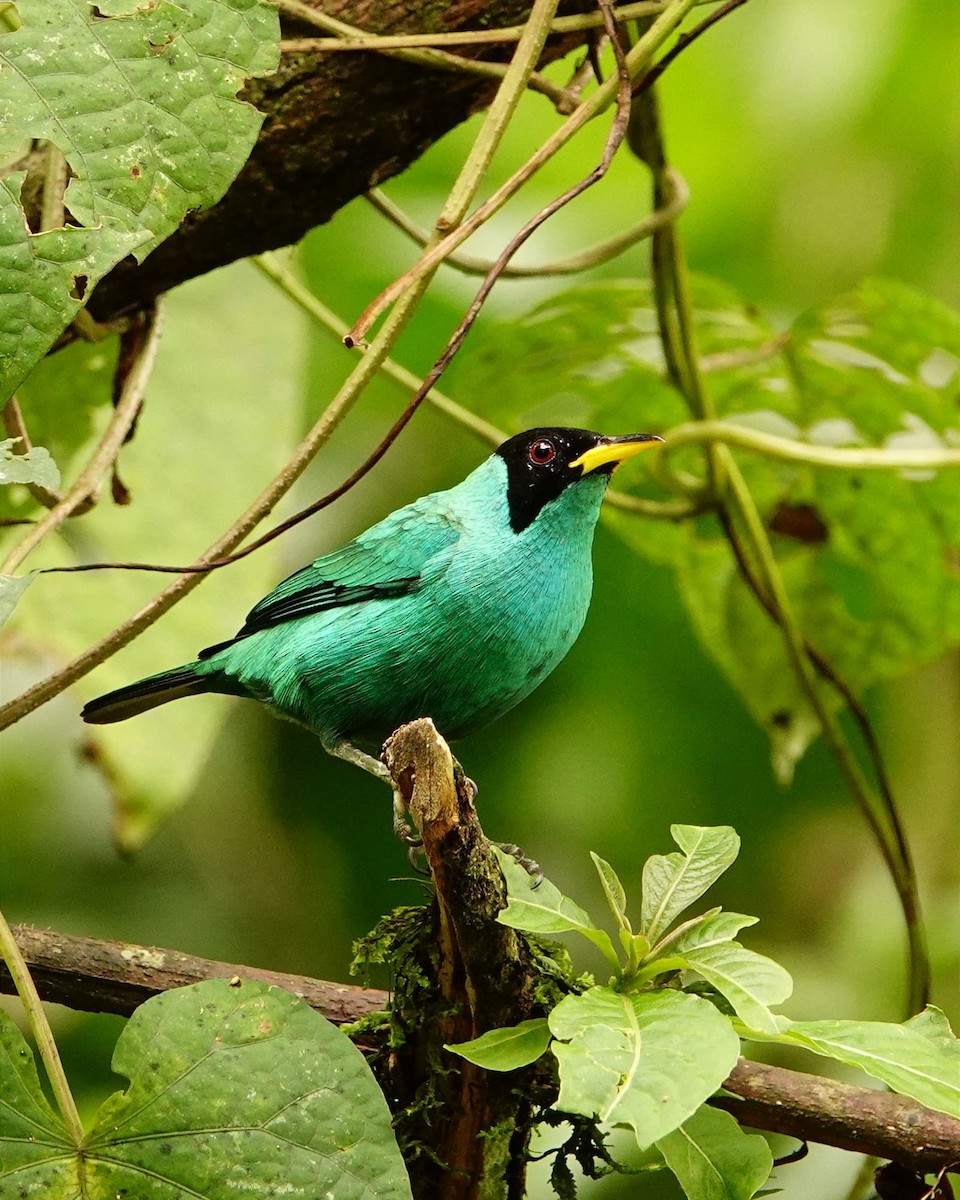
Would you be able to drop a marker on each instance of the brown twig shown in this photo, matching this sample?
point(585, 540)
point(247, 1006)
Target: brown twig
point(14, 426)
point(101, 462)
point(826, 672)
point(682, 42)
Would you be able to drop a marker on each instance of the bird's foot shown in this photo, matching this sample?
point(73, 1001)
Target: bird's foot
point(530, 865)
point(402, 828)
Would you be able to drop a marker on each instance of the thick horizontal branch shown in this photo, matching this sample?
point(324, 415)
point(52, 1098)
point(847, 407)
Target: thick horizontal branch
point(335, 126)
point(115, 977)
point(822, 1110)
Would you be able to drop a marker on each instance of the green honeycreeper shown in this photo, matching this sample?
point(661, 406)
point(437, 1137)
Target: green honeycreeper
point(454, 607)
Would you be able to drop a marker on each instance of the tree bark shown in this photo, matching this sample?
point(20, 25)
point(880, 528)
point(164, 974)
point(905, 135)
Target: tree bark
point(480, 976)
point(336, 124)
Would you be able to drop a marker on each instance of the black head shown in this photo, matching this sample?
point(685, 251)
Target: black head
point(543, 462)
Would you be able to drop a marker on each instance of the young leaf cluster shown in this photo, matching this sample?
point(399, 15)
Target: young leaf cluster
point(649, 1048)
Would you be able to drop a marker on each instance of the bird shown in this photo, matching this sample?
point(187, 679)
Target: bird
point(454, 607)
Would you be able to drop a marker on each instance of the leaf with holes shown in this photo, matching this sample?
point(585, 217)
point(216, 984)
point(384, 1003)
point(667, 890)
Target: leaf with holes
point(31, 466)
point(134, 108)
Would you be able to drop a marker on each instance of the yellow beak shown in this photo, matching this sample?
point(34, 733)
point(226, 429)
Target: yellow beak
point(615, 450)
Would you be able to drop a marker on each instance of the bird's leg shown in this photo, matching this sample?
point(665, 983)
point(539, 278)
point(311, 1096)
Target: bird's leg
point(349, 753)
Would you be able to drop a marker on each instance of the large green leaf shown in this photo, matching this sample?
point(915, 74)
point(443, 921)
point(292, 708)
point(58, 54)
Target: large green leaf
point(179, 507)
point(234, 1090)
point(714, 1159)
point(645, 1059)
point(141, 101)
point(871, 560)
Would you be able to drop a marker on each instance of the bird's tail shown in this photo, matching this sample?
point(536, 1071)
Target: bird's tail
point(148, 693)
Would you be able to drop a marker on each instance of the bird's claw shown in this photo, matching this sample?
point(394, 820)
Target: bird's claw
point(530, 865)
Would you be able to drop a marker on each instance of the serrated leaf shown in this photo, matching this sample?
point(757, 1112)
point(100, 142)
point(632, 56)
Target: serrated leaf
point(613, 890)
point(33, 466)
point(672, 882)
point(645, 1059)
point(232, 1089)
point(143, 106)
point(12, 588)
point(903, 1057)
point(871, 560)
point(750, 981)
point(507, 1049)
point(542, 908)
point(714, 1159)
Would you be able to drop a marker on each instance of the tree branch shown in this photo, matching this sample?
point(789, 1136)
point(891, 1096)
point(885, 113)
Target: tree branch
point(116, 977)
point(335, 125)
point(817, 1109)
point(478, 975)
point(92, 975)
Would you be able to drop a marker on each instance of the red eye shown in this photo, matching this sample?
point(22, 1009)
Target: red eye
point(541, 452)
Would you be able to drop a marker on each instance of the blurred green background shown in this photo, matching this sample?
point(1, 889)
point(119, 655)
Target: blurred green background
point(820, 142)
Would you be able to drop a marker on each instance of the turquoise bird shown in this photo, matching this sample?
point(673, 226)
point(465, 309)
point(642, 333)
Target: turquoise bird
point(454, 607)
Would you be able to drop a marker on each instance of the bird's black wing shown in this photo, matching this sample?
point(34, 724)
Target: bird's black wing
point(313, 596)
point(384, 563)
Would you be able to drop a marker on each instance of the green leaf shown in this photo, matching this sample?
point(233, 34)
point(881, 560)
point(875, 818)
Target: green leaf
point(542, 908)
point(232, 1089)
point(613, 890)
point(750, 981)
point(142, 104)
point(714, 1159)
point(917, 1061)
point(644, 1059)
point(12, 588)
point(672, 882)
point(34, 1143)
point(934, 1026)
point(35, 466)
point(507, 1049)
point(871, 560)
point(59, 403)
point(716, 929)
